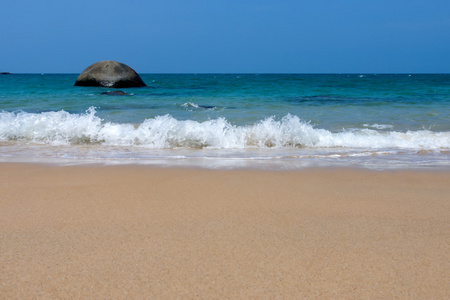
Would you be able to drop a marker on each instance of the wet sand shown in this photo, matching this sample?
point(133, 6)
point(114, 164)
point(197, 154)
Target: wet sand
point(140, 232)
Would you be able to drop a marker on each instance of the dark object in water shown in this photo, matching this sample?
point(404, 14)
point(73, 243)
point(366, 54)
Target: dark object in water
point(109, 73)
point(115, 93)
point(206, 106)
point(5, 73)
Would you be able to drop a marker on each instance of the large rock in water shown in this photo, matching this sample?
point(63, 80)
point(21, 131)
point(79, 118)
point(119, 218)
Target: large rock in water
point(109, 73)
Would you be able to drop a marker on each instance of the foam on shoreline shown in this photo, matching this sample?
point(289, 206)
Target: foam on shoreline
point(286, 142)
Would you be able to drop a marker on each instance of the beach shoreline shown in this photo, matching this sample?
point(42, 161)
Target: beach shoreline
point(132, 231)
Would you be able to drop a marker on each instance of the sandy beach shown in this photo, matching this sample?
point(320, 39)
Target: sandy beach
point(112, 232)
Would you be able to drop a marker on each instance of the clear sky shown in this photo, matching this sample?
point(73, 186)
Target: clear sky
point(227, 36)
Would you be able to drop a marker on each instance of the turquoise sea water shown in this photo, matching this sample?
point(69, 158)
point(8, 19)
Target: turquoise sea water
point(281, 121)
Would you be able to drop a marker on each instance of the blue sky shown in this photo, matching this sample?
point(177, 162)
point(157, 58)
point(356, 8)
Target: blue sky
point(232, 36)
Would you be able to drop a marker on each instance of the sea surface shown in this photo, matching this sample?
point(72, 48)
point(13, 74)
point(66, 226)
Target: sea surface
point(222, 121)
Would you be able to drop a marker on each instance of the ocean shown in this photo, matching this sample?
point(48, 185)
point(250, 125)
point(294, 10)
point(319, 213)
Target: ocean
point(225, 121)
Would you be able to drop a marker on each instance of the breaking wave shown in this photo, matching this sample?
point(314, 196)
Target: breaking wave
point(163, 132)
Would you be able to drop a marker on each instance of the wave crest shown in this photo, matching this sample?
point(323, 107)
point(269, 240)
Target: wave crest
point(162, 132)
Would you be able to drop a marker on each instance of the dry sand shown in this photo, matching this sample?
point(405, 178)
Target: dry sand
point(139, 232)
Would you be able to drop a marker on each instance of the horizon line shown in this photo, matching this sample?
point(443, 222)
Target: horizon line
point(244, 73)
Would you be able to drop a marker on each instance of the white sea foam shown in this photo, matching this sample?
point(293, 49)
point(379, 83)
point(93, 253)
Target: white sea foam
point(55, 128)
point(165, 132)
point(379, 126)
point(190, 104)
